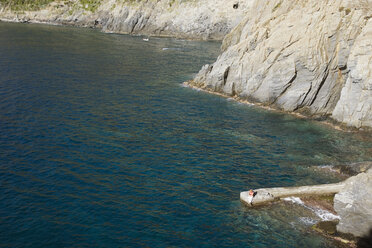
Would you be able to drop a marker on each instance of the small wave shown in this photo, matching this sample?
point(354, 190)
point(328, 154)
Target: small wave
point(326, 168)
point(171, 48)
point(296, 200)
point(325, 215)
point(240, 101)
point(321, 213)
point(307, 220)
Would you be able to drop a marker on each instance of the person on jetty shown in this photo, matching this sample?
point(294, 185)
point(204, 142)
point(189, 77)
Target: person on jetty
point(251, 195)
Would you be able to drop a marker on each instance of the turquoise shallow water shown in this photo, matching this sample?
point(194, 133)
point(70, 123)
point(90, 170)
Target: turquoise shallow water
point(101, 146)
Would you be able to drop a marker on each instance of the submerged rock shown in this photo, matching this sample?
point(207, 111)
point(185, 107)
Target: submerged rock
point(354, 205)
point(326, 227)
point(354, 168)
point(311, 56)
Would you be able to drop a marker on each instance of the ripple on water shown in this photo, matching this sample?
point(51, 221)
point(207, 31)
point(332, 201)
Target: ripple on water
point(100, 147)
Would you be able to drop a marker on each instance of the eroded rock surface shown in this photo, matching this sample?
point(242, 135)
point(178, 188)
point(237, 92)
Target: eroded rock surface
point(354, 205)
point(309, 56)
point(194, 19)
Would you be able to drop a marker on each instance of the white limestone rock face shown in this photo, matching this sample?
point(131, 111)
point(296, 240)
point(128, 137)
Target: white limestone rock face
point(355, 104)
point(308, 56)
point(354, 205)
point(210, 19)
point(193, 19)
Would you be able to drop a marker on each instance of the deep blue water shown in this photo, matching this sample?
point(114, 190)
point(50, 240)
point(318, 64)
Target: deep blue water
point(101, 146)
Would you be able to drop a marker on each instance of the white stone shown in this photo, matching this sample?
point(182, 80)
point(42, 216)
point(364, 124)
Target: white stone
point(354, 205)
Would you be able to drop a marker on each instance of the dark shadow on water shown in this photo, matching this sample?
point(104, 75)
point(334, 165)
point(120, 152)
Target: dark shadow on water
point(366, 241)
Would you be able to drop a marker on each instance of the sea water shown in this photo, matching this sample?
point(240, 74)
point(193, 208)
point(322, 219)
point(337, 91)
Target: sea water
point(101, 146)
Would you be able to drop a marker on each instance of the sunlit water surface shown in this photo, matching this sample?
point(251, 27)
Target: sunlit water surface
point(101, 146)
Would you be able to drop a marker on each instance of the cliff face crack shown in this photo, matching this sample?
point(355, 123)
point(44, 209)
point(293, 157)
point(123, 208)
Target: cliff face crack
point(325, 76)
point(134, 24)
point(289, 84)
point(225, 75)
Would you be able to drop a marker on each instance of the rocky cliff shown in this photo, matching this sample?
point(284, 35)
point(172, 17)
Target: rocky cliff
point(193, 19)
point(307, 56)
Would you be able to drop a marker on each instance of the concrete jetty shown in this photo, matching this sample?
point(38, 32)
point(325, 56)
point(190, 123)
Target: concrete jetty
point(265, 195)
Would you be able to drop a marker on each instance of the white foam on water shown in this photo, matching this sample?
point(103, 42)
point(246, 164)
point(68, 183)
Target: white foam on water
point(325, 215)
point(171, 48)
point(321, 213)
point(328, 167)
point(308, 221)
point(187, 86)
point(245, 103)
point(325, 166)
point(293, 199)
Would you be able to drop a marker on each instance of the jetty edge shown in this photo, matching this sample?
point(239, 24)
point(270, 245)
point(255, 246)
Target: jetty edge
point(266, 195)
point(352, 201)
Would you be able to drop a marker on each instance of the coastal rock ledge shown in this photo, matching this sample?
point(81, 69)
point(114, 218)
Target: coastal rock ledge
point(352, 201)
point(306, 56)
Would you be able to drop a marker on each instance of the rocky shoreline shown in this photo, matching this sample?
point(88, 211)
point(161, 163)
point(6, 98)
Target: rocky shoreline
point(315, 66)
point(321, 120)
point(312, 59)
point(347, 204)
point(353, 205)
point(187, 19)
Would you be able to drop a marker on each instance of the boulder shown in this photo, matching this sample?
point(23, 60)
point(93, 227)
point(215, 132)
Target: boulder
point(354, 205)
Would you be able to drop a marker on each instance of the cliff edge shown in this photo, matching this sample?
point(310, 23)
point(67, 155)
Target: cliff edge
point(306, 56)
point(191, 19)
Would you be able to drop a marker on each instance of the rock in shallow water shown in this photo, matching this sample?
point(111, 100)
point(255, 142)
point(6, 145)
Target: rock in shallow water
point(353, 169)
point(326, 227)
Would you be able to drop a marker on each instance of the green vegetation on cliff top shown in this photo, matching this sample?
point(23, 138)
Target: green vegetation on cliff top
point(25, 4)
point(90, 5)
point(21, 5)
